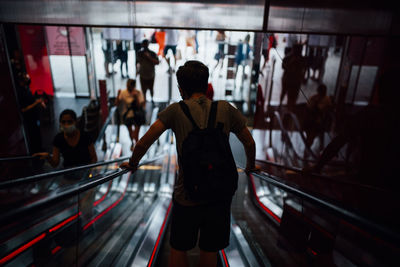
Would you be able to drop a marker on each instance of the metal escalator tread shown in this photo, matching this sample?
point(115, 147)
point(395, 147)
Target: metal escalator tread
point(120, 236)
point(92, 247)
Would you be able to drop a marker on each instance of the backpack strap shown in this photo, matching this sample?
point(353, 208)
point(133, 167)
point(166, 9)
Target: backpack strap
point(213, 115)
point(186, 110)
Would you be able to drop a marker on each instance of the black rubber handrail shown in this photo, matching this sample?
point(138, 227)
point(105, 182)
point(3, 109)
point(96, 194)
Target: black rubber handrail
point(39, 177)
point(359, 220)
point(55, 198)
point(17, 158)
point(318, 175)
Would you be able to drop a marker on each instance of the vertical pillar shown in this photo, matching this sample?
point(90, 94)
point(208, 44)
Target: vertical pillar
point(103, 100)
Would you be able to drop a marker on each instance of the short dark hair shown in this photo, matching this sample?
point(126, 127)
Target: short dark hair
point(130, 83)
point(193, 77)
point(68, 112)
point(145, 42)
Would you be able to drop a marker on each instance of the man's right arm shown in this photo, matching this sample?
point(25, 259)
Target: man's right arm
point(247, 140)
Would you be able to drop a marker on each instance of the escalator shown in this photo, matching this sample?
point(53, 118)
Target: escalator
point(121, 218)
point(92, 218)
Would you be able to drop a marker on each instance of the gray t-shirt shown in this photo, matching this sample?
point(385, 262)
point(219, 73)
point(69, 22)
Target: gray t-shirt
point(173, 118)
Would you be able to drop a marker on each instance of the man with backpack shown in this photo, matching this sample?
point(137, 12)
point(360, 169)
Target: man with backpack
point(207, 178)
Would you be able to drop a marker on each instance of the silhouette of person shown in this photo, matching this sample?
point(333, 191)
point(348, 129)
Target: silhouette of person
point(109, 57)
point(242, 53)
point(122, 54)
point(137, 45)
point(189, 218)
point(269, 41)
point(373, 147)
point(316, 119)
point(147, 60)
point(30, 108)
point(220, 55)
point(171, 42)
point(130, 103)
point(294, 65)
point(76, 146)
point(373, 143)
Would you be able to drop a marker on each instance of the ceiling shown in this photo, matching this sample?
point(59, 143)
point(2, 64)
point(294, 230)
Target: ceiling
point(307, 16)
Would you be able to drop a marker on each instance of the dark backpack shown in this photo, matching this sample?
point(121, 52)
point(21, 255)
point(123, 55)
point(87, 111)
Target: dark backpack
point(209, 170)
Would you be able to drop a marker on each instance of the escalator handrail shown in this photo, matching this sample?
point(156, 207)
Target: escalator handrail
point(16, 158)
point(55, 198)
point(389, 234)
point(38, 177)
point(317, 175)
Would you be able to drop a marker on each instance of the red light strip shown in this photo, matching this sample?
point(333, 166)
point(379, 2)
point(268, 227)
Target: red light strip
point(225, 258)
point(22, 248)
point(107, 209)
point(58, 226)
point(108, 188)
point(55, 250)
point(159, 235)
point(261, 204)
point(104, 196)
point(313, 252)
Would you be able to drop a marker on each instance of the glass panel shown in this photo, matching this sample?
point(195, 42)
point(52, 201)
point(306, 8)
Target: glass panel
point(60, 60)
point(315, 232)
point(80, 75)
point(248, 14)
point(322, 55)
point(113, 212)
point(46, 237)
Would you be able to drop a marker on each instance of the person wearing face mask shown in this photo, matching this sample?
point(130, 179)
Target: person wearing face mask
point(74, 145)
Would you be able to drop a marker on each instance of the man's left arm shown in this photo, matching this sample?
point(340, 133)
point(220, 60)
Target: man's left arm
point(156, 129)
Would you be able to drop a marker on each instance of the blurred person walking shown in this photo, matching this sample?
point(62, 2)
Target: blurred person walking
point(147, 60)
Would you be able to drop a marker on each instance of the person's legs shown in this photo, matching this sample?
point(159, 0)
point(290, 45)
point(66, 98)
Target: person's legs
point(150, 85)
point(207, 259)
point(185, 222)
point(131, 134)
point(174, 53)
point(178, 258)
point(106, 63)
point(135, 133)
point(214, 231)
point(143, 87)
point(121, 68)
point(126, 68)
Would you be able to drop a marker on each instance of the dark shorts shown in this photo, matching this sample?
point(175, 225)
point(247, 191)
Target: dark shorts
point(210, 224)
point(146, 84)
point(172, 47)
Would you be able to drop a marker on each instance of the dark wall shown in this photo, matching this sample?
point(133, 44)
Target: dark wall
point(12, 142)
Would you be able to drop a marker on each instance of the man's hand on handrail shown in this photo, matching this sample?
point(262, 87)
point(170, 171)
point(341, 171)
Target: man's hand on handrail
point(254, 168)
point(126, 165)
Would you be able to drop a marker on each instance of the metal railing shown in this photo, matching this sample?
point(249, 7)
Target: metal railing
point(359, 220)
